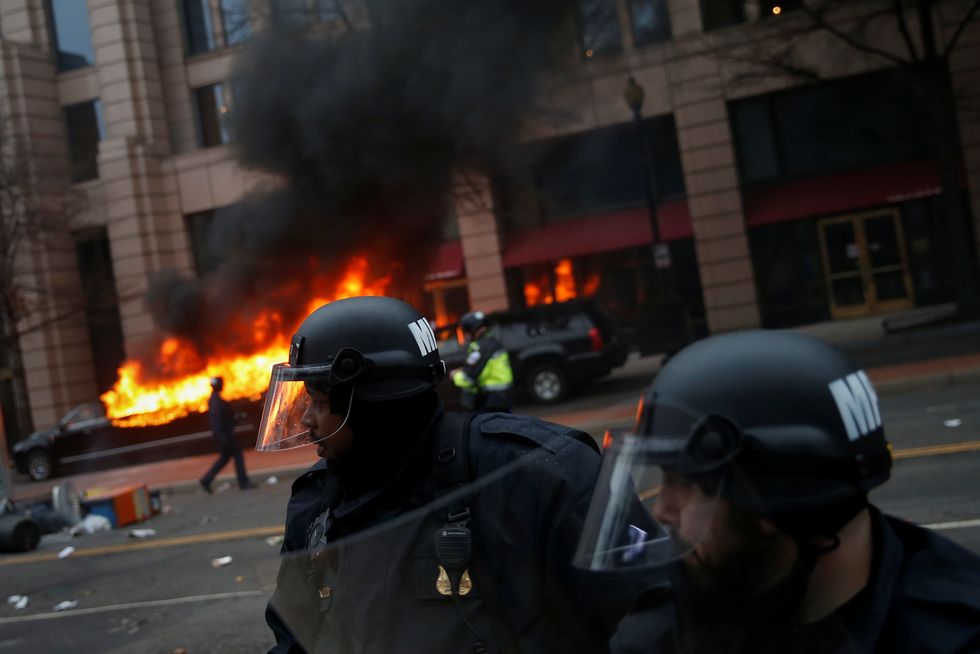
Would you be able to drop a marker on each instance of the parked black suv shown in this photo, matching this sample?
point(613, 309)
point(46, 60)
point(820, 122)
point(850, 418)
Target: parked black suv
point(552, 347)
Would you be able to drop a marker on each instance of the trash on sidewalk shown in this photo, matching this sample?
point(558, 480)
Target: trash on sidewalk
point(19, 601)
point(122, 505)
point(142, 533)
point(91, 524)
point(221, 561)
point(273, 480)
point(239, 579)
point(222, 487)
point(955, 422)
point(64, 606)
point(66, 552)
point(272, 541)
point(167, 509)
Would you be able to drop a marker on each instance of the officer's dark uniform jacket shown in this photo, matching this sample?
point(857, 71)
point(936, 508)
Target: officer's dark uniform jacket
point(378, 593)
point(923, 597)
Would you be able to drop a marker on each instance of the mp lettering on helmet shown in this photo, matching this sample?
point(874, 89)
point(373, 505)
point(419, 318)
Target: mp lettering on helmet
point(857, 403)
point(424, 337)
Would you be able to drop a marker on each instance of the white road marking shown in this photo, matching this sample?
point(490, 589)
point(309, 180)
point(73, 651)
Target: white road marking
point(134, 605)
point(957, 524)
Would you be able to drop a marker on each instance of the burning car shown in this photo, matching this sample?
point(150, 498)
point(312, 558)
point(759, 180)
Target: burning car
point(86, 439)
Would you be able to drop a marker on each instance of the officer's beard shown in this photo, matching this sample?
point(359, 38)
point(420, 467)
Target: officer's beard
point(722, 606)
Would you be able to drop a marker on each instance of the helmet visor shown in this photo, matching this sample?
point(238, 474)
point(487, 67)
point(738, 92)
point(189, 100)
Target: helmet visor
point(657, 494)
point(285, 404)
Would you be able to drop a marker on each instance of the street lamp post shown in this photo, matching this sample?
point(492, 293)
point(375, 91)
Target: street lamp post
point(633, 95)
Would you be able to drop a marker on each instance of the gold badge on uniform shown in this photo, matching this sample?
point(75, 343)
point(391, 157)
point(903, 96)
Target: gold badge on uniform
point(445, 587)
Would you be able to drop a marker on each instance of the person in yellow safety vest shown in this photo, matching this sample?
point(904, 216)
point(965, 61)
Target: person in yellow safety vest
point(486, 380)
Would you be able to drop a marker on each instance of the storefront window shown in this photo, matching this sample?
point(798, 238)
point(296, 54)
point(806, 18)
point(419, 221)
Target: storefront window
point(650, 21)
point(197, 26)
point(599, 27)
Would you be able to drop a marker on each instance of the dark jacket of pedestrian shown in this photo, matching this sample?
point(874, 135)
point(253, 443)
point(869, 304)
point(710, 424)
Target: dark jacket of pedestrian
point(222, 420)
point(380, 593)
point(923, 597)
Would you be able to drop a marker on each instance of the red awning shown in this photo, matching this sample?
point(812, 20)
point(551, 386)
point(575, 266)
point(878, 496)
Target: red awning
point(841, 192)
point(594, 234)
point(447, 262)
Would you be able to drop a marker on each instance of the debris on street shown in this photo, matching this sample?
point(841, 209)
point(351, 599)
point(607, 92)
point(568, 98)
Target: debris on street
point(272, 541)
point(142, 533)
point(220, 561)
point(64, 606)
point(272, 480)
point(954, 422)
point(19, 601)
point(66, 552)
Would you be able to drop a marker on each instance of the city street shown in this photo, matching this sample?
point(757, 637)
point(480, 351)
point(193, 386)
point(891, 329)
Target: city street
point(163, 593)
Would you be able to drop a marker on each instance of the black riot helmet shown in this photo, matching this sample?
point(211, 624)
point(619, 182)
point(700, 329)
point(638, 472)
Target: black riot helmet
point(375, 349)
point(777, 423)
point(472, 321)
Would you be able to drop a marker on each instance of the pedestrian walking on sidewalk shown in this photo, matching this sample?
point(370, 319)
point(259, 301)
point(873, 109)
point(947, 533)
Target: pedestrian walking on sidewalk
point(222, 420)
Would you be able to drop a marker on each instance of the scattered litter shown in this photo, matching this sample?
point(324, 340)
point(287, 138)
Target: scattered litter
point(272, 480)
point(142, 533)
point(64, 606)
point(19, 601)
point(223, 486)
point(955, 422)
point(166, 509)
point(91, 524)
point(208, 518)
point(220, 561)
point(66, 552)
point(272, 541)
point(239, 579)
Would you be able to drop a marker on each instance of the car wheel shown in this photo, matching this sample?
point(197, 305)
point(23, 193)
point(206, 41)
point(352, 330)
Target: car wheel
point(547, 383)
point(39, 464)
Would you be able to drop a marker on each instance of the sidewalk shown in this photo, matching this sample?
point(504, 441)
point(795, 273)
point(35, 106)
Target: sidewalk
point(926, 357)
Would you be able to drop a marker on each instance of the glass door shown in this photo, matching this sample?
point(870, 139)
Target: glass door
point(865, 264)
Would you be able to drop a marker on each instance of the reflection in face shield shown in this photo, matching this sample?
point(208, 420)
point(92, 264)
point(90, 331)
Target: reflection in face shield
point(297, 414)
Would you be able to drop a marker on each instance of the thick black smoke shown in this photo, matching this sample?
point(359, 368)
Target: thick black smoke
point(366, 129)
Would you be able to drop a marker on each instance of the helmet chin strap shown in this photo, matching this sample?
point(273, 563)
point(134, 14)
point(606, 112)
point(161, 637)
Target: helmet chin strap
point(350, 404)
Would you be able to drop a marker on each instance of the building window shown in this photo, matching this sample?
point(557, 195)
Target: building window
point(773, 8)
point(602, 170)
point(650, 21)
point(101, 304)
point(721, 13)
point(85, 130)
point(212, 115)
point(197, 26)
point(206, 259)
point(869, 119)
point(235, 21)
point(599, 27)
point(289, 13)
point(68, 20)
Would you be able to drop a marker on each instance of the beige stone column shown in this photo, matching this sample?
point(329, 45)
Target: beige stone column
point(964, 67)
point(23, 21)
point(480, 239)
point(55, 348)
point(141, 209)
point(713, 196)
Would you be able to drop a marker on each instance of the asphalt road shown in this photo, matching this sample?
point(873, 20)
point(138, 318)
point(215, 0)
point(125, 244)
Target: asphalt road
point(161, 594)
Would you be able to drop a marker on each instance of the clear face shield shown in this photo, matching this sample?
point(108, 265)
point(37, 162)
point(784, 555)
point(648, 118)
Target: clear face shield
point(287, 402)
point(658, 491)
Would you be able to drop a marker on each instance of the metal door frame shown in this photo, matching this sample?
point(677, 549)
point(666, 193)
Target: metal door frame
point(871, 304)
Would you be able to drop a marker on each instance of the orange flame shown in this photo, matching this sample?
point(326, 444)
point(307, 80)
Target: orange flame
point(538, 290)
point(134, 401)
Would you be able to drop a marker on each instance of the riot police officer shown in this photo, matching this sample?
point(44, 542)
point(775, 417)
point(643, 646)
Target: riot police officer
point(486, 379)
point(753, 454)
point(419, 531)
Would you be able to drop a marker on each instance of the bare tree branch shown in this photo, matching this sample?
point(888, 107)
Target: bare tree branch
point(970, 13)
point(822, 23)
point(903, 27)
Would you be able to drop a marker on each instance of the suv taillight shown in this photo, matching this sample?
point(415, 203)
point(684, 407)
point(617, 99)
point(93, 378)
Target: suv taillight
point(596, 337)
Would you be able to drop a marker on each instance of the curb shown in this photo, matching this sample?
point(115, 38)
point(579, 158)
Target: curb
point(933, 380)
